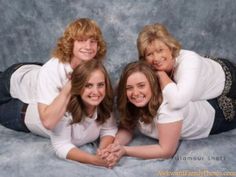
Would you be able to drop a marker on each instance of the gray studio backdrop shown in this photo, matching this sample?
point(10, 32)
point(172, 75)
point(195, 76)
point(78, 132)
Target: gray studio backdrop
point(30, 28)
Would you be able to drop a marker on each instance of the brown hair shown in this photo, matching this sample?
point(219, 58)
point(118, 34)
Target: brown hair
point(129, 113)
point(82, 28)
point(156, 32)
point(79, 79)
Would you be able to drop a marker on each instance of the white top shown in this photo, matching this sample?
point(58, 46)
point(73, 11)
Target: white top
point(34, 83)
point(23, 86)
point(23, 83)
point(196, 78)
point(52, 77)
point(33, 122)
point(198, 118)
point(65, 136)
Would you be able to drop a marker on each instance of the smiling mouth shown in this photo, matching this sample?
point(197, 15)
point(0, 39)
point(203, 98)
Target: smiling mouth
point(94, 98)
point(87, 53)
point(139, 99)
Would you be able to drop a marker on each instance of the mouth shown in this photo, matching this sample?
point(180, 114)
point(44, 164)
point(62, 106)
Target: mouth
point(94, 98)
point(138, 99)
point(86, 52)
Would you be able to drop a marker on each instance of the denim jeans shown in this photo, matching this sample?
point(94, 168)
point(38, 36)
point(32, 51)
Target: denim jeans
point(11, 108)
point(220, 123)
point(11, 115)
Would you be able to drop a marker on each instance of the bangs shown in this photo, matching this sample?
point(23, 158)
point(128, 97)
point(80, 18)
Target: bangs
point(86, 33)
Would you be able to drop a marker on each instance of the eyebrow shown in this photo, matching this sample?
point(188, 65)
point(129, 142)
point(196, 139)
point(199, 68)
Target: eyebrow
point(142, 82)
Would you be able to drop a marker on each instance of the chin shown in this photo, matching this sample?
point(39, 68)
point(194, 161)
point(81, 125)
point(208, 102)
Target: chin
point(140, 105)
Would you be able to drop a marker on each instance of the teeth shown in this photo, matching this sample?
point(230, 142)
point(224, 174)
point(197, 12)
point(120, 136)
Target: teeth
point(94, 97)
point(139, 98)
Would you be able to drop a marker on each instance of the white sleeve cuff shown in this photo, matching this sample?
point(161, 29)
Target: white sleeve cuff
point(62, 151)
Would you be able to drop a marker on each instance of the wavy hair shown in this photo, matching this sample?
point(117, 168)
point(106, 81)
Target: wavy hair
point(79, 79)
point(80, 29)
point(157, 31)
point(129, 113)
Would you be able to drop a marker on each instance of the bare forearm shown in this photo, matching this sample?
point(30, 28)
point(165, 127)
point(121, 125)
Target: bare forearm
point(105, 141)
point(51, 114)
point(84, 157)
point(163, 78)
point(123, 137)
point(149, 152)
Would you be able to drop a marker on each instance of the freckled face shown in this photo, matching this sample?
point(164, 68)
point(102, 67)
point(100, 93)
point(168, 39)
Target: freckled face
point(138, 89)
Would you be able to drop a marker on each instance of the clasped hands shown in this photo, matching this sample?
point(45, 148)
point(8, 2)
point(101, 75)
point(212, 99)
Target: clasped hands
point(112, 154)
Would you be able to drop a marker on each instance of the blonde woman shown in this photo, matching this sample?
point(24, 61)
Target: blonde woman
point(184, 75)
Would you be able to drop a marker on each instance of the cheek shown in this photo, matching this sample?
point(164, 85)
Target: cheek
point(95, 47)
point(103, 91)
point(148, 60)
point(128, 95)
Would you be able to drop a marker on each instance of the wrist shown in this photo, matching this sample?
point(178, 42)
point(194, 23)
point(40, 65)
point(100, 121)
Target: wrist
point(96, 160)
point(125, 150)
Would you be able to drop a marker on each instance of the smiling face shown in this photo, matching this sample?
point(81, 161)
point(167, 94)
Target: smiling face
point(84, 50)
point(94, 90)
point(159, 55)
point(138, 89)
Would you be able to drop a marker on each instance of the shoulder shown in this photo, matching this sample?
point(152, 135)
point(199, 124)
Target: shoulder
point(187, 57)
point(166, 114)
point(55, 63)
point(54, 66)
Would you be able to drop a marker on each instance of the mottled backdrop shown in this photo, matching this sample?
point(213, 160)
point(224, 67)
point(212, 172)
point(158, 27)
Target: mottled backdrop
point(30, 28)
point(28, 32)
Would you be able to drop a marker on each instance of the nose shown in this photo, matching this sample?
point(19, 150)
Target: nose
point(135, 92)
point(95, 90)
point(156, 58)
point(88, 44)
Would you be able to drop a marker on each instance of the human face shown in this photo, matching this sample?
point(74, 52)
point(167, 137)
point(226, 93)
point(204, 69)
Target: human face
point(138, 89)
point(94, 90)
point(159, 55)
point(84, 50)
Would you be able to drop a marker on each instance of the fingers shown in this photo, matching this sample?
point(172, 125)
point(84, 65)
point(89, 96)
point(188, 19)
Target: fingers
point(111, 154)
point(112, 160)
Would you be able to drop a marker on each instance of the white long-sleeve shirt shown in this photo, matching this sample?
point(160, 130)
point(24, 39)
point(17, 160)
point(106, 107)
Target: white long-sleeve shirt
point(195, 78)
point(198, 118)
point(66, 136)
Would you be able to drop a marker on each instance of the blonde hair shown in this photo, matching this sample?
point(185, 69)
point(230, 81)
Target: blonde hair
point(79, 79)
point(129, 113)
point(156, 32)
point(82, 28)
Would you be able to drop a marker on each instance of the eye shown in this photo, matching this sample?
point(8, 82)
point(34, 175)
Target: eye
point(80, 40)
point(128, 87)
point(142, 85)
point(149, 54)
point(93, 41)
point(160, 50)
point(88, 85)
point(101, 85)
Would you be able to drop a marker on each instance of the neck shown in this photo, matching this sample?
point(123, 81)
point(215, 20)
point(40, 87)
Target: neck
point(75, 62)
point(90, 111)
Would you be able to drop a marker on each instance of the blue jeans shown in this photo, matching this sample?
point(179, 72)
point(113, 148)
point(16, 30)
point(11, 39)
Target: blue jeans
point(11, 115)
point(11, 109)
point(220, 123)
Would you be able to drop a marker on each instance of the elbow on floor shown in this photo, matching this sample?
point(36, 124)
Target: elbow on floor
point(47, 124)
